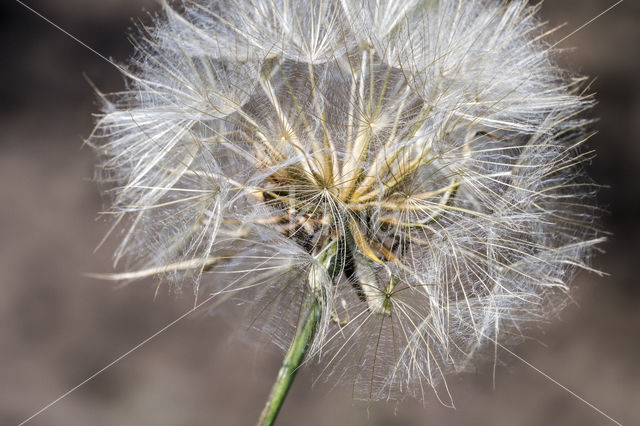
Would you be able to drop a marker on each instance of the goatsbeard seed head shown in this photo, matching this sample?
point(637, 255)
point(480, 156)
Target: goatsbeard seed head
point(415, 165)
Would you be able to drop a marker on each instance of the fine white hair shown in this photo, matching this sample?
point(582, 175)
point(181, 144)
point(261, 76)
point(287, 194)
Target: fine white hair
point(416, 165)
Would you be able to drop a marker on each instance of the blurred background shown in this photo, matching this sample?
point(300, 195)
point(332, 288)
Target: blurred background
point(57, 327)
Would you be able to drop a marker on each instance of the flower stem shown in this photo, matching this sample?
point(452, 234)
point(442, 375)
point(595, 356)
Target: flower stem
point(292, 360)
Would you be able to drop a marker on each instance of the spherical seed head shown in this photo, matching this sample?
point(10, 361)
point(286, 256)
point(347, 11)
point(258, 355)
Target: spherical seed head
point(415, 166)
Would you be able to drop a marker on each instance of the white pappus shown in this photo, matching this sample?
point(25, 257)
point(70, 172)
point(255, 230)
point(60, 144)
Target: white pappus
point(412, 167)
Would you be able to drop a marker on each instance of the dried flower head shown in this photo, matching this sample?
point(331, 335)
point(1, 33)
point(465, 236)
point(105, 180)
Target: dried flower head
point(410, 170)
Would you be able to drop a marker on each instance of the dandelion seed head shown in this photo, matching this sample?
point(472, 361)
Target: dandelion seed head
point(414, 165)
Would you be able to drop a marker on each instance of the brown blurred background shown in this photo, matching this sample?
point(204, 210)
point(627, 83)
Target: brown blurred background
point(58, 327)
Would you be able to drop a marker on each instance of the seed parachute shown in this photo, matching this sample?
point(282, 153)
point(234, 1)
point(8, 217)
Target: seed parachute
point(397, 183)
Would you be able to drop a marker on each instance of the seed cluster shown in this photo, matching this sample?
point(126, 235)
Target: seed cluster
point(415, 166)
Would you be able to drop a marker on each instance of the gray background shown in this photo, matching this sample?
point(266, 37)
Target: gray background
point(58, 327)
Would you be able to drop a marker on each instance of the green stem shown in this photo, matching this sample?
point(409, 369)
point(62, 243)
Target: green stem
point(305, 332)
point(292, 360)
